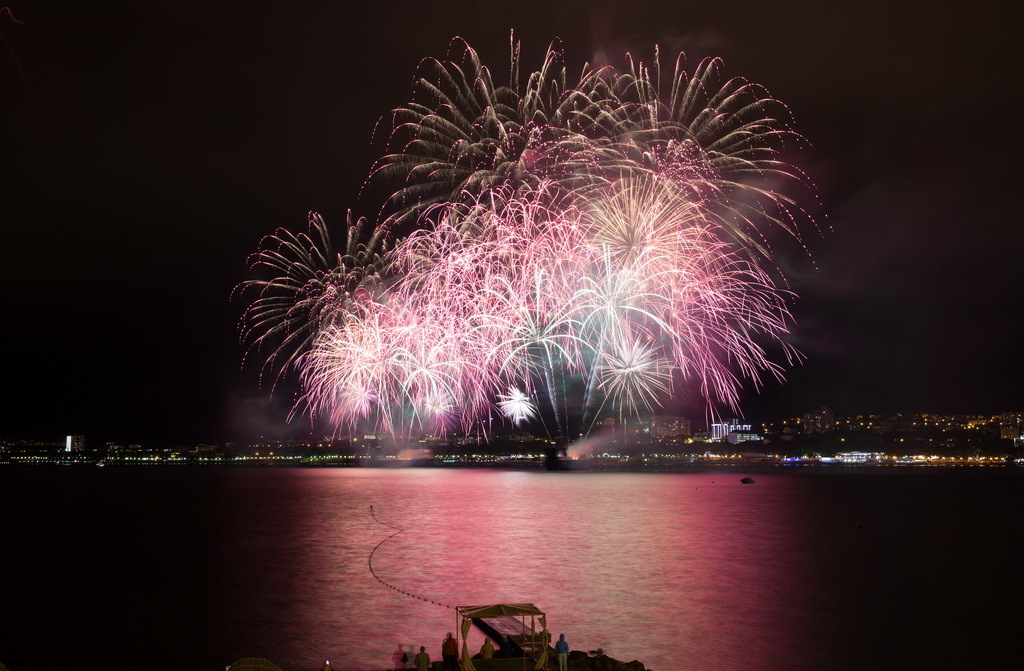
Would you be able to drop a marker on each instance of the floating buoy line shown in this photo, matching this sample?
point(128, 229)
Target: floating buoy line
point(369, 561)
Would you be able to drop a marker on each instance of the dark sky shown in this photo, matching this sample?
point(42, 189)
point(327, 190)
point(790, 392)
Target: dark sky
point(148, 146)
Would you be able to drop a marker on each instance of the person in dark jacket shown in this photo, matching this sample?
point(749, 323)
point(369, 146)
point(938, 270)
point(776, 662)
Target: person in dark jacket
point(450, 653)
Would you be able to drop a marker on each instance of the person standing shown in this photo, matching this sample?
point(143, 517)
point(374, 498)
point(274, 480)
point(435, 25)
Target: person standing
point(562, 649)
point(450, 653)
point(422, 659)
point(398, 658)
point(487, 649)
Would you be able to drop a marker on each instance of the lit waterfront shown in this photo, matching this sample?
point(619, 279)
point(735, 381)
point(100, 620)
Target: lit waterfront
point(653, 461)
point(660, 442)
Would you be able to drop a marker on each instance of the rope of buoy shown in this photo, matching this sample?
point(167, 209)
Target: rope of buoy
point(369, 561)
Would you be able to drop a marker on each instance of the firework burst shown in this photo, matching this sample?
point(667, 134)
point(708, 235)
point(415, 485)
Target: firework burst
point(586, 244)
point(517, 406)
point(461, 133)
point(524, 289)
point(720, 139)
point(310, 283)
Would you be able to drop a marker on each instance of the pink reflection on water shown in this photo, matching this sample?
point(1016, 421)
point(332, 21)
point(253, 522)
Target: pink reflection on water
point(653, 567)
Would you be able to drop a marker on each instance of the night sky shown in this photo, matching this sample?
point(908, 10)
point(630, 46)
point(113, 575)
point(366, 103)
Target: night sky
point(148, 146)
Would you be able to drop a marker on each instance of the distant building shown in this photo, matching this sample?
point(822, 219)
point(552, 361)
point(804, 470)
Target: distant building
point(737, 437)
point(721, 430)
point(74, 444)
point(1011, 426)
point(670, 426)
point(854, 458)
point(821, 421)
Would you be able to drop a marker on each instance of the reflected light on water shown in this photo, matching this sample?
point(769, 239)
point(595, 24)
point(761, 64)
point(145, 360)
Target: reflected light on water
point(644, 566)
point(196, 568)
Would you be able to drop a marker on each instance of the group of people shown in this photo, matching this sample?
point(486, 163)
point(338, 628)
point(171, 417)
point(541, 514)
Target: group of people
point(421, 660)
point(450, 653)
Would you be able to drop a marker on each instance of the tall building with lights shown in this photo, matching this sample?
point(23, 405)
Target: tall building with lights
point(1011, 426)
point(821, 421)
point(669, 426)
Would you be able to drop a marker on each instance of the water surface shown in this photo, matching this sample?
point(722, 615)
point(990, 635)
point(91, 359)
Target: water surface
point(178, 568)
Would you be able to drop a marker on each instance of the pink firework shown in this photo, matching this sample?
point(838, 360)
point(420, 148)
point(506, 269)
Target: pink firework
point(585, 246)
point(527, 289)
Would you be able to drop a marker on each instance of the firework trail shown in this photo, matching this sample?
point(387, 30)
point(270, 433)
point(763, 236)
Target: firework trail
point(461, 133)
point(311, 284)
point(719, 139)
point(10, 14)
point(572, 247)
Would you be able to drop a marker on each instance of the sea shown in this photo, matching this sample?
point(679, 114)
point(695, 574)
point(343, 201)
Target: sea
point(823, 568)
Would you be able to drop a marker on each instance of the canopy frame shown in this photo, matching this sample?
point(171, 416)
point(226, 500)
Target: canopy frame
point(537, 639)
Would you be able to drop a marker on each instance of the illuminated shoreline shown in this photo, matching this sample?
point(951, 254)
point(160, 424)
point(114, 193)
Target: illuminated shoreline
point(653, 462)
